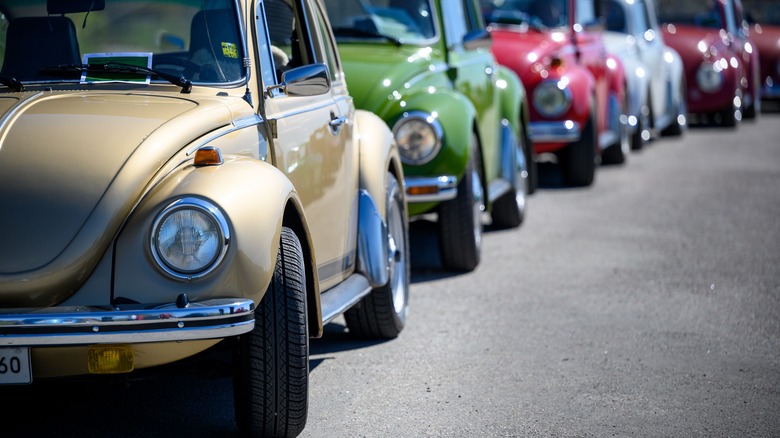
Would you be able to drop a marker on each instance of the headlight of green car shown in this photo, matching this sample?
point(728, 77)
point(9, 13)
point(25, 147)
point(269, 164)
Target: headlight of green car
point(419, 136)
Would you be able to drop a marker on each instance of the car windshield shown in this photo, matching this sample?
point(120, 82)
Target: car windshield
point(702, 13)
point(540, 14)
point(396, 21)
point(121, 40)
point(762, 11)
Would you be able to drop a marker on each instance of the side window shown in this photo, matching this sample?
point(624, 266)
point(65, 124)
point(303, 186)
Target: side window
point(3, 33)
point(328, 45)
point(287, 35)
point(455, 25)
point(473, 16)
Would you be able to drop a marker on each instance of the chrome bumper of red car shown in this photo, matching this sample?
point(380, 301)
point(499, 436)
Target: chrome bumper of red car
point(211, 319)
point(431, 189)
point(563, 131)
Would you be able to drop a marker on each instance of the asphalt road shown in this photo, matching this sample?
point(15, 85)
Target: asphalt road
point(644, 306)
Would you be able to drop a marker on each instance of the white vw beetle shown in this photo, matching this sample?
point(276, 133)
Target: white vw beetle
point(654, 71)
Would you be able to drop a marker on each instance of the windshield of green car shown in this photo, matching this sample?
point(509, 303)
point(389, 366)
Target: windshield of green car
point(701, 13)
point(395, 21)
point(92, 41)
point(540, 14)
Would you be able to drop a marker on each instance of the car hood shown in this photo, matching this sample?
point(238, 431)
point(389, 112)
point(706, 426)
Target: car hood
point(72, 167)
point(376, 71)
point(520, 50)
point(688, 40)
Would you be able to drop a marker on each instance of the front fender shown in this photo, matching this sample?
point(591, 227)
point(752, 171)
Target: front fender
point(251, 194)
point(456, 114)
point(513, 98)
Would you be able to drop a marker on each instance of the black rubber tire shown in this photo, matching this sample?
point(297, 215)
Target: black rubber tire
point(675, 128)
point(382, 313)
point(578, 161)
point(530, 163)
point(508, 211)
point(460, 227)
point(271, 363)
point(616, 152)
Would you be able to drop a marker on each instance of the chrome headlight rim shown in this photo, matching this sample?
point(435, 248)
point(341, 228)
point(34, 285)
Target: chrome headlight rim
point(710, 77)
point(559, 88)
point(212, 214)
point(428, 120)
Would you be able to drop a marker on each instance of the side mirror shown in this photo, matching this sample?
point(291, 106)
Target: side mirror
point(308, 80)
point(478, 39)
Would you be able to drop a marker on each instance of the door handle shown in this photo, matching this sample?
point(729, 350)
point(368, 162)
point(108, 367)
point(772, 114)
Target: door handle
point(337, 122)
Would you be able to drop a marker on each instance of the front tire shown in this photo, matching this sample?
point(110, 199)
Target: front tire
point(578, 161)
point(271, 363)
point(509, 210)
point(460, 225)
point(382, 313)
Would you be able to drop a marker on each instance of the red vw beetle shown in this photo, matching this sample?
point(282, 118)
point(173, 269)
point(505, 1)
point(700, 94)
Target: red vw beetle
point(720, 61)
point(577, 90)
point(764, 19)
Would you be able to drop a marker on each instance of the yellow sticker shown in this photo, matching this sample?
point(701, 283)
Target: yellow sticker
point(229, 50)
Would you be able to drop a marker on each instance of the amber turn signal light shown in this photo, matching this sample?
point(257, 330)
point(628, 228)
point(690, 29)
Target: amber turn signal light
point(208, 156)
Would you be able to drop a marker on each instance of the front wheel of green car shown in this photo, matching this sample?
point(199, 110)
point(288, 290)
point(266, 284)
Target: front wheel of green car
point(460, 224)
point(271, 363)
point(382, 313)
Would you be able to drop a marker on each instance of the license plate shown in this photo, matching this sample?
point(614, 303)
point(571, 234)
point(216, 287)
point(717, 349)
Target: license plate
point(15, 366)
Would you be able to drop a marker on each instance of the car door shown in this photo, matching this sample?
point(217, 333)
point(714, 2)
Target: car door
point(474, 73)
point(313, 134)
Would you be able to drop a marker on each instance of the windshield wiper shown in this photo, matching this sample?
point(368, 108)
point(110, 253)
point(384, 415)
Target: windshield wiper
point(119, 67)
point(353, 32)
point(12, 82)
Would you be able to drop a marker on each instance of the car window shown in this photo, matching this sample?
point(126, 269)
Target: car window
point(406, 21)
point(286, 26)
point(537, 13)
point(328, 45)
point(201, 41)
point(614, 16)
point(702, 13)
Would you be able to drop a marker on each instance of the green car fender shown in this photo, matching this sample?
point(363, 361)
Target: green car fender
point(455, 114)
point(513, 98)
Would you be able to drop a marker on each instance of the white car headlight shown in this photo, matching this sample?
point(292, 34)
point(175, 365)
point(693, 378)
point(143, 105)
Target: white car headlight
point(709, 77)
point(418, 136)
point(552, 98)
point(189, 238)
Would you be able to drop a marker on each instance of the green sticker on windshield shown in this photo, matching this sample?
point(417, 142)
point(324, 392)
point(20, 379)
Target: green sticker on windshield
point(116, 67)
point(229, 50)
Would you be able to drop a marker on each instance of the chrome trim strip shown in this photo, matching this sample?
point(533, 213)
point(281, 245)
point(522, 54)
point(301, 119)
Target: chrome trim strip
point(333, 268)
point(561, 131)
point(72, 325)
point(239, 124)
point(446, 186)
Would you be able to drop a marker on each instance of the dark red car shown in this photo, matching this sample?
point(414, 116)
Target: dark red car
point(577, 90)
point(721, 61)
point(764, 19)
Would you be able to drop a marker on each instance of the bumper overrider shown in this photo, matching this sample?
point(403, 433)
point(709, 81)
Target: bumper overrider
point(132, 323)
point(431, 189)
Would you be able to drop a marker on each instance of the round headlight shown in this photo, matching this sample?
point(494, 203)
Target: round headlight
point(418, 136)
point(189, 238)
point(709, 77)
point(552, 98)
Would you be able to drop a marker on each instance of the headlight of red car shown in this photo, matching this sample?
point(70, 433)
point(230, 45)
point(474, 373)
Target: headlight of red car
point(189, 238)
point(552, 98)
point(418, 135)
point(709, 77)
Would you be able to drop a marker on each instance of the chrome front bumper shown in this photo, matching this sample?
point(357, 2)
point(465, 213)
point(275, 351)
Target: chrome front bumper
point(564, 131)
point(431, 189)
point(136, 323)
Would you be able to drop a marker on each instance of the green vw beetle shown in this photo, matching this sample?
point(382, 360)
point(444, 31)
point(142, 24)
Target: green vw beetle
point(459, 119)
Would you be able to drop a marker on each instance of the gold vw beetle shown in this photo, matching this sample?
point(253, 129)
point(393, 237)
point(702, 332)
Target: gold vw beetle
point(170, 180)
